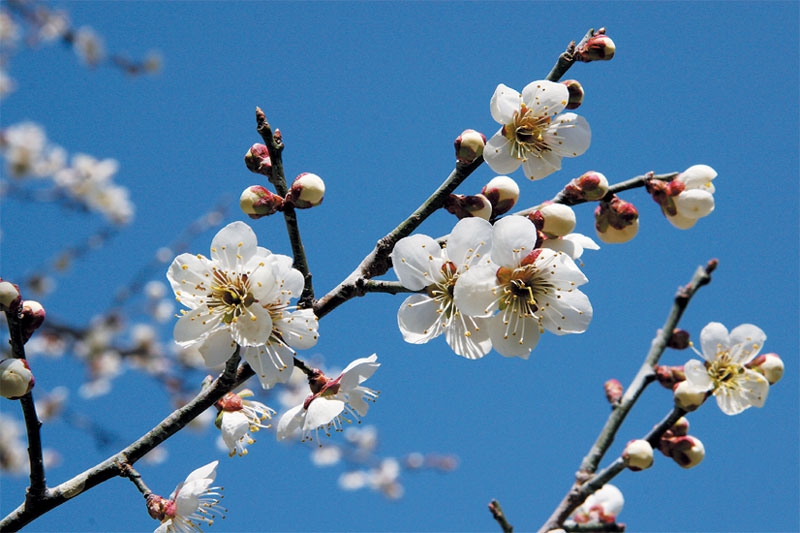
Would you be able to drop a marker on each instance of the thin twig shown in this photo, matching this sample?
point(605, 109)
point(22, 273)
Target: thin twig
point(500, 517)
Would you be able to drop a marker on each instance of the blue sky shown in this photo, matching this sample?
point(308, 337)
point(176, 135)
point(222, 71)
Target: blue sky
point(370, 96)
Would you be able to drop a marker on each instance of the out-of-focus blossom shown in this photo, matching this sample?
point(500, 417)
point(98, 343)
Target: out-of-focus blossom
point(16, 378)
point(601, 507)
point(89, 46)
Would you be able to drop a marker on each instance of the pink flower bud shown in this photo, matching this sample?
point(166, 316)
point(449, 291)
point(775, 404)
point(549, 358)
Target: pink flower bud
point(638, 455)
point(9, 296)
point(679, 340)
point(589, 186)
point(16, 378)
point(257, 160)
point(769, 365)
point(469, 206)
point(32, 317)
point(688, 398)
point(680, 428)
point(613, 390)
point(257, 201)
point(307, 191)
point(669, 376)
point(687, 451)
point(616, 221)
point(575, 93)
point(469, 146)
point(557, 219)
point(599, 47)
point(503, 193)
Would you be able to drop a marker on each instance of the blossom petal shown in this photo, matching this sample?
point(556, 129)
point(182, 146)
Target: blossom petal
point(517, 338)
point(321, 412)
point(233, 245)
point(298, 328)
point(271, 363)
point(697, 376)
point(694, 203)
point(194, 324)
point(504, 103)
point(291, 421)
point(745, 343)
point(187, 276)
point(253, 328)
point(217, 347)
point(569, 136)
point(513, 238)
point(358, 371)
point(419, 319)
point(469, 242)
point(681, 222)
point(417, 261)
point(538, 166)
point(469, 337)
point(568, 312)
point(497, 154)
point(546, 98)
point(475, 290)
point(713, 338)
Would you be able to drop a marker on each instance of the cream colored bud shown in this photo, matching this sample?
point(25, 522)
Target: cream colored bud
point(559, 219)
point(688, 398)
point(469, 146)
point(503, 193)
point(16, 379)
point(688, 451)
point(770, 365)
point(638, 455)
point(307, 190)
point(256, 202)
point(9, 293)
point(618, 236)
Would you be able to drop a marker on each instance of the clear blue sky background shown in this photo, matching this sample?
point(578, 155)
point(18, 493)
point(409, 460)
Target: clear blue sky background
point(371, 96)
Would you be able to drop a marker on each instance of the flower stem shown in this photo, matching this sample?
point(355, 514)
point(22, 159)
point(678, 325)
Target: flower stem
point(566, 59)
point(577, 494)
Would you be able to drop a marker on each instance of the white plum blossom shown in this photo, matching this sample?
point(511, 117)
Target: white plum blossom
point(192, 503)
point(572, 244)
point(696, 200)
point(724, 373)
point(533, 133)
point(238, 417)
point(527, 290)
point(331, 401)
point(241, 296)
point(601, 507)
point(420, 263)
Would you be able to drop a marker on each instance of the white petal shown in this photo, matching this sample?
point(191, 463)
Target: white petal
point(571, 312)
point(570, 136)
point(713, 338)
point(253, 328)
point(475, 290)
point(545, 97)
point(419, 319)
point(515, 339)
point(497, 154)
point(540, 166)
point(504, 103)
point(472, 346)
point(217, 347)
point(745, 342)
point(469, 242)
point(321, 412)
point(694, 203)
point(234, 426)
point(195, 324)
point(697, 376)
point(355, 399)
point(272, 363)
point(755, 387)
point(698, 177)
point(188, 275)
point(298, 328)
point(290, 422)
point(233, 245)
point(417, 261)
point(681, 222)
point(513, 238)
point(358, 371)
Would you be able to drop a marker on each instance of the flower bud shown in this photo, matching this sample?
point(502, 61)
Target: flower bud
point(575, 94)
point(257, 201)
point(680, 428)
point(469, 146)
point(469, 206)
point(16, 378)
point(687, 451)
point(616, 221)
point(598, 47)
point(32, 317)
point(156, 506)
point(307, 191)
point(687, 398)
point(590, 186)
point(556, 220)
point(613, 390)
point(638, 455)
point(669, 376)
point(769, 365)
point(503, 193)
point(9, 296)
point(257, 160)
point(679, 340)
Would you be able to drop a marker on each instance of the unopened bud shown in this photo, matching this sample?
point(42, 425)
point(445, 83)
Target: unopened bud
point(469, 146)
point(469, 206)
point(257, 160)
point(16, 378)
point(32, 317)
point(156, 506)
point(669, 376)
point(769, 365)
point(687, 397)
point(503, 193)
point(687, 451)
point(9, 296)
point(613, 390)
point(257, 201)
point(616, 221)
point(599, 47)
point(679, 340)
point(590, 186)
point(575, 93)
point(307, 190)
point(680, 428)
point(638, 455)
point(556, 220)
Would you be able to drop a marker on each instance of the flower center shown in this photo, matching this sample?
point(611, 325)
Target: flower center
point(723, 373)
point(526, 133)
point(442, 292)
point(519, 289)
point(230, 295)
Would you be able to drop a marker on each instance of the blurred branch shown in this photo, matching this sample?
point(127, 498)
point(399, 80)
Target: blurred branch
point(500, 517)
point(577, 494)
